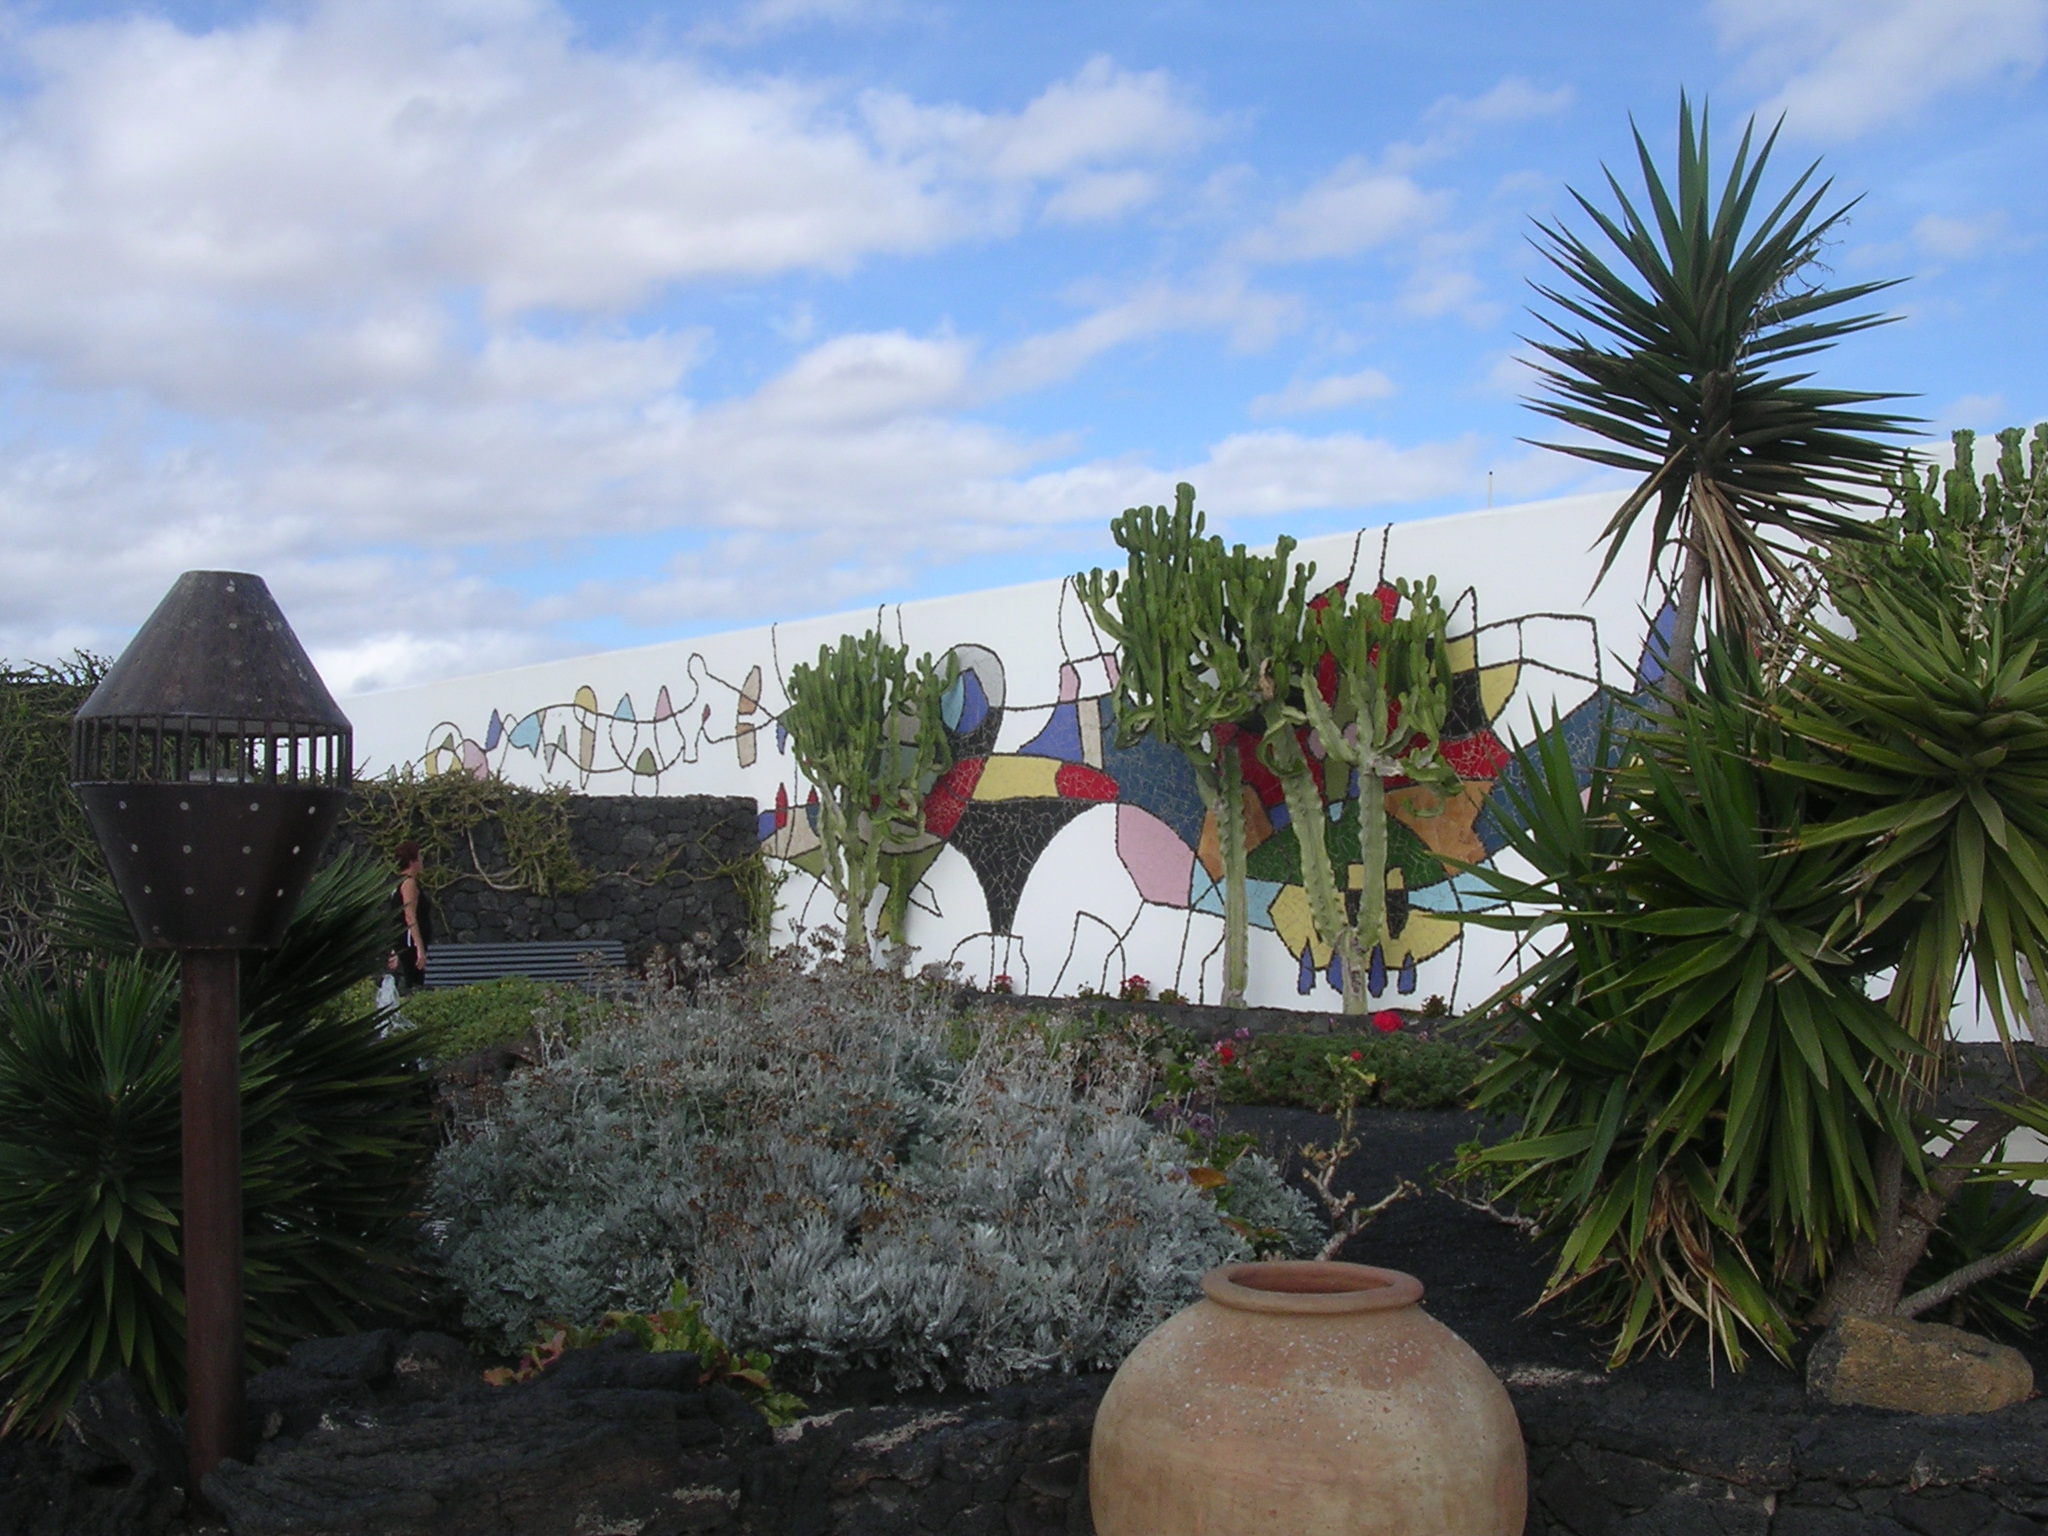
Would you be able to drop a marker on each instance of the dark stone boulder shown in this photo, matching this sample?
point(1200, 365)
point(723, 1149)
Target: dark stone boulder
point(538, 1463)
point(116, 1469)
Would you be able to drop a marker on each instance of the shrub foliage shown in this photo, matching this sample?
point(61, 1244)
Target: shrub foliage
point(45, 845)
point(845, 1176)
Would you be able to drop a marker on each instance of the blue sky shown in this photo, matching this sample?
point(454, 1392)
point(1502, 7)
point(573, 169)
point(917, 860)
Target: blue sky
point(491, 330)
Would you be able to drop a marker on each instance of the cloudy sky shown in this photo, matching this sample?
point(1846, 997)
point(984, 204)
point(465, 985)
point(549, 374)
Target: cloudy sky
point(492, 330)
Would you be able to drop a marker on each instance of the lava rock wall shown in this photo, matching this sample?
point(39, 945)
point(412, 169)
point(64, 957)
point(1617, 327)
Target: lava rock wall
point(663, 877)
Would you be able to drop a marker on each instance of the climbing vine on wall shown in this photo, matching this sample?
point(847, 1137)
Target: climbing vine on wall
point(45, 844)
point(444, 812)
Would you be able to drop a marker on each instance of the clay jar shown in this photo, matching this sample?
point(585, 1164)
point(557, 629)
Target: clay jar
point(1306, 1399)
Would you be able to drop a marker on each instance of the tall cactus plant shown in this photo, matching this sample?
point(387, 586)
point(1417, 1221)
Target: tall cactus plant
point(1196, 626)
point(1389, 690)
point(865, 726)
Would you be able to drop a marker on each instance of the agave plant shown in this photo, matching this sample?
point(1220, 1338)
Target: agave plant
point(335, 1128)
point(1699, 1068)
point(1674, 359)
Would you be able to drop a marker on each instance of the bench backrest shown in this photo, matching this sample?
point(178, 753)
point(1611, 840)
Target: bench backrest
point(570, 960)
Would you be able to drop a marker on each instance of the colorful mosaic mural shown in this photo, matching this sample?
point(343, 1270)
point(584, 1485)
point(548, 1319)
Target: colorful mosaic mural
point(1054, 855)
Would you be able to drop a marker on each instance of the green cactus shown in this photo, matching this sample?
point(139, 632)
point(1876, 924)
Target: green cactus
point(1393, 690)
point(1197, 627)
point(866, 729)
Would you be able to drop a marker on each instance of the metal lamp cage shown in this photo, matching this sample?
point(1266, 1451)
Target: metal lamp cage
point(183, 749)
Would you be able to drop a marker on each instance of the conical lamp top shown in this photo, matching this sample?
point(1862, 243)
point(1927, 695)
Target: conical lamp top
point(217, 647)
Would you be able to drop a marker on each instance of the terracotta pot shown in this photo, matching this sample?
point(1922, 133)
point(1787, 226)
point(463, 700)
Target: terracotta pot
point(1306, 1399)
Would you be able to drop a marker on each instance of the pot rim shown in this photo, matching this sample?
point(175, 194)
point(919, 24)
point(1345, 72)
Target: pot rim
point(1310, 1287)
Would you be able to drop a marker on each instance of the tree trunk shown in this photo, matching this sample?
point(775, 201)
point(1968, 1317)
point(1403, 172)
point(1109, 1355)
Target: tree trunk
point(1311, 834)
point(1230, 834)
point(1678, 656)
point(1372, 898)
point(1872, 1279)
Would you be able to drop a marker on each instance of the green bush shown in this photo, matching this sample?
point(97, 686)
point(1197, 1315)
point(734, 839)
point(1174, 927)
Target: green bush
point(1294, 1069)
point(1700, 1072)
point(45, 845)
point(335, 1126)
point(458, 1020)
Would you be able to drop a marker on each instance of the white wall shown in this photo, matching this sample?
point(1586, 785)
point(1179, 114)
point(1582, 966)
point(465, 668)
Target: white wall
point(1115, 890)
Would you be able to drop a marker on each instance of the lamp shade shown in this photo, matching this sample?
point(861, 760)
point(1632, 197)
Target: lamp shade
point(213, 764)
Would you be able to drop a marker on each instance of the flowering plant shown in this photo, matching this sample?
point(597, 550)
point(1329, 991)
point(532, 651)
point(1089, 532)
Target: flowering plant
point(1135, 989)
point(1000, 984)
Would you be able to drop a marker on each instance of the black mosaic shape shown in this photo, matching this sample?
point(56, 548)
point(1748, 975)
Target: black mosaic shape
point(1002, 840)
point(1466, 715)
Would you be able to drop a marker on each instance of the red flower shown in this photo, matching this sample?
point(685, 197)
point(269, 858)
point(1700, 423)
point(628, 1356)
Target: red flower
point(1226, 1053)
point(1358, 1055)
point(1386, 1021)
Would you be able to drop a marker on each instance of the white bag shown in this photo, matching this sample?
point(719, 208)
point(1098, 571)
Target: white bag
point(387, 991)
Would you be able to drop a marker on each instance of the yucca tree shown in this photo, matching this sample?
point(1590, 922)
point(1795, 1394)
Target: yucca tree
point(1671, 350)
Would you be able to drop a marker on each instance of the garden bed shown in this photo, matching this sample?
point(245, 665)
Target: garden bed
point(402, 1436)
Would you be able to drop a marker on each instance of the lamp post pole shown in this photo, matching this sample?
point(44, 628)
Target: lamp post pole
point(212, 764)
point(210, 1011)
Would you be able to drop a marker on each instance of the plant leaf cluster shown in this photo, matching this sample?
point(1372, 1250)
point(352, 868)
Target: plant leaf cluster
point(1371, 679)
point(445, 813)
point(678, 1327)
point(335, 1126)
point(1702, 1076)
point(1933, 708)
point(45, 845)
point(867, 728)
point(1681, 352)
point(1199, 629)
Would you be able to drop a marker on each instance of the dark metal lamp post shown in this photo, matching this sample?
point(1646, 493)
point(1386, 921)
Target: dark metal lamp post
point(213, 764)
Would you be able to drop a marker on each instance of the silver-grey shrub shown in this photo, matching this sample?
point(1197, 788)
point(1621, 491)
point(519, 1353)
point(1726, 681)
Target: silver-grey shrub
point(847, 1174)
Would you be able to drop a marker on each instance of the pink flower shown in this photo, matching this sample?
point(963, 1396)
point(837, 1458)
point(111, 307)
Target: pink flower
point(1386, 1021)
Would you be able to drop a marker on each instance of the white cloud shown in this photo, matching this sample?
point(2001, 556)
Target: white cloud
point(371, 297)
point(1263, 473)
point(1251, 318)
point(1839, 68)
point(1452, 122)
point(1356, 208)
point(1100, 195)
point(1305, 396)
point(1953, 239)
point(1073, 130)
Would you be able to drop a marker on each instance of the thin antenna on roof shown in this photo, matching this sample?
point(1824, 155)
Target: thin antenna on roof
point(1489, 487)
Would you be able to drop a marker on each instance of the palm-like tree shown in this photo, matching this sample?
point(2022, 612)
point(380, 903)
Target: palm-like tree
point(1674, 359)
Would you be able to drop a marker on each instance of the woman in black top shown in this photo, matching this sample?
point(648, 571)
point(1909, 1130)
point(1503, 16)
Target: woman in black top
point(415, 911)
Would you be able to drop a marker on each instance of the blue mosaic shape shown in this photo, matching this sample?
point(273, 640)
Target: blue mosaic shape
point(1061, 737)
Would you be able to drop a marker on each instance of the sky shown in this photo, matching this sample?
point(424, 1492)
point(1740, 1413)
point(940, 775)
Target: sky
point(491, 331)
